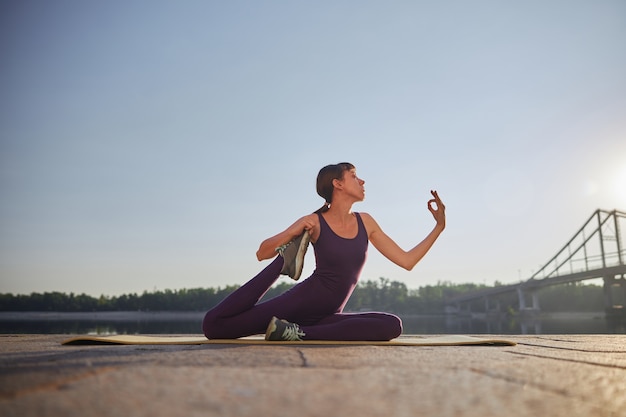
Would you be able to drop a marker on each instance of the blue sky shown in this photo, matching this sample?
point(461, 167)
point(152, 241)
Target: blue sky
point(153, 144)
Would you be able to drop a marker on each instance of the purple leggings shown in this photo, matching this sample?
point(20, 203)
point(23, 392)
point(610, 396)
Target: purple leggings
point(239, 315)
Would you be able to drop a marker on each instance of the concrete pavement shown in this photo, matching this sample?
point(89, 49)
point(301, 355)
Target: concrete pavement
point(548, 375)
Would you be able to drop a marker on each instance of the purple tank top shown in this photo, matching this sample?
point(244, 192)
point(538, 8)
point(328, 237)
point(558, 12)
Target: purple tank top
point(339, 261)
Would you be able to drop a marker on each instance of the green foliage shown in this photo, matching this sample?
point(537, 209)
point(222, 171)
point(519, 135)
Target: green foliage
point(196, 299)
point(572, 297)
point(381, 295)
point(395, 297)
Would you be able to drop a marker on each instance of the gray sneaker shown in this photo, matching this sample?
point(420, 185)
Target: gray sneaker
point(293, 254)
point(279, 330)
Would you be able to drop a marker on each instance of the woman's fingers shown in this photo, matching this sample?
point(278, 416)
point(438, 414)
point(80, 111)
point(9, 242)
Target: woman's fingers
point(436, 200)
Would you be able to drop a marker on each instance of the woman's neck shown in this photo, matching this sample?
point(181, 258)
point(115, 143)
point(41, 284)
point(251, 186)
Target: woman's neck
point(340, 212)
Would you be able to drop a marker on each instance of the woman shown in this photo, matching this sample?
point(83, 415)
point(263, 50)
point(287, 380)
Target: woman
point(312, 310)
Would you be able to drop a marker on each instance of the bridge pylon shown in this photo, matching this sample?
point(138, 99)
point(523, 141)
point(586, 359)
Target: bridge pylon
point(523, 295)
point(614, 290)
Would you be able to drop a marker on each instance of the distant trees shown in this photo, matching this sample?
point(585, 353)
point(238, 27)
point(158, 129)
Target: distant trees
point(381, 295)
point(572, 297)
point(49, 301)
point(196, 299)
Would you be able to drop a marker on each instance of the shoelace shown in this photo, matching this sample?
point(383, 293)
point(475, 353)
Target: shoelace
point(281, 249)
point(292, 332)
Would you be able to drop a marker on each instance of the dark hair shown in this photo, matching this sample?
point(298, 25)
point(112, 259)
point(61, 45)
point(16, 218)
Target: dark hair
point(325, 179)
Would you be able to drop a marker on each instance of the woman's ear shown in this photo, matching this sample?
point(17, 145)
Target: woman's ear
point(337, 184)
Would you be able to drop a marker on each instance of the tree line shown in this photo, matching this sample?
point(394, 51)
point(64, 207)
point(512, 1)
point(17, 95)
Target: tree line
point(381, 295)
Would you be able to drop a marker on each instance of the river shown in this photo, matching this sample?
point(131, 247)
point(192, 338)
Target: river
point(104, 323)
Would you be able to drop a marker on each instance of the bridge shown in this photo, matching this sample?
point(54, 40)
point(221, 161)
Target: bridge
point(596, 251)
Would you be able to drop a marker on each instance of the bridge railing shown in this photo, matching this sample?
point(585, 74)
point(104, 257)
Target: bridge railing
point(598, 244)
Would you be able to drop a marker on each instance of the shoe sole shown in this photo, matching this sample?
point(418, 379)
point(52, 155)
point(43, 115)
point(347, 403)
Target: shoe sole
point(304, 244)
point(270, 328)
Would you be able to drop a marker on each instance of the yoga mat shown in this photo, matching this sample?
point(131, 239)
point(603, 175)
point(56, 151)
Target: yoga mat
point(448, 340)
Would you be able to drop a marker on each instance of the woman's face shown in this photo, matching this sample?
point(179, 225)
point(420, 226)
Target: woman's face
point(353, 185)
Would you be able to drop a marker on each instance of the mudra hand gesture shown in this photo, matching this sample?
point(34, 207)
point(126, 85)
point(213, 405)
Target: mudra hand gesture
point(437, 209)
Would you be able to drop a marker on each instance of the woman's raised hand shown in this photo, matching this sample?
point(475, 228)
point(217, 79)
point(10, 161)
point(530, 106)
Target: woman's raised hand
point(437, 209)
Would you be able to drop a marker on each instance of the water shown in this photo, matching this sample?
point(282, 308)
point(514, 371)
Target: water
point(563, 323)
point(190, 323)
point(101, 323)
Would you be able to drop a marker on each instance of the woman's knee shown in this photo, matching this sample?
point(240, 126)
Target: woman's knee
point(393, 326)
point(209, 326)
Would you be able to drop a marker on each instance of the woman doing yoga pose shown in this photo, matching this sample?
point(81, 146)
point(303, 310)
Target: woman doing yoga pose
point(313, 309)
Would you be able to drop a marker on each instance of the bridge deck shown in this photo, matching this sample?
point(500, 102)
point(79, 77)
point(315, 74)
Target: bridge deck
point(539, 283)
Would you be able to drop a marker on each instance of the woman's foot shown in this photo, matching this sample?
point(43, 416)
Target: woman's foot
point(283, 330)
point(293, 255)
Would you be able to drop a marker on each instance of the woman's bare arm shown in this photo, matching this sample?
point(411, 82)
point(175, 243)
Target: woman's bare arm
point(390, 249)
point(267, 249)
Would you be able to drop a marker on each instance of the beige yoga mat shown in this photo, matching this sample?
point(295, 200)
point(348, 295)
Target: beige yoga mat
point(447, 340)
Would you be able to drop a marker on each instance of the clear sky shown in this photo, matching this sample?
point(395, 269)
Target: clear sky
point(154, 144)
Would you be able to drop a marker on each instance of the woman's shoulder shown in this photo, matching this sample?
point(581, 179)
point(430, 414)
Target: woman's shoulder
point(313, 222)
point(369, 222)
point(364, 216)
point(311, 217)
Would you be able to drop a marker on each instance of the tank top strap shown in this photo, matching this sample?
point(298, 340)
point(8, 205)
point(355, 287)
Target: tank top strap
point(359, 221)
point(323, 221)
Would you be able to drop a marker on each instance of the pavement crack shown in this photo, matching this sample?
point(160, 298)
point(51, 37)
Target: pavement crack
point(570, 348)
point(545, 388)
point(305, 363)
point(606, 365)
point(523, 383)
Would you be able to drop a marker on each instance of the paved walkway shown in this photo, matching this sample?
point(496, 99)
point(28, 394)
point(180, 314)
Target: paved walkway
point(549, 375)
